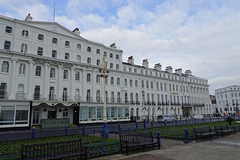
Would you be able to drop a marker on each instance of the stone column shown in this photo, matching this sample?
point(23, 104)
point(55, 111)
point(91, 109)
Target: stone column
point(59, 83)
point(72, 90)
point(13, 84)
point(30, 81)
point(46, 81)
point(83, 85)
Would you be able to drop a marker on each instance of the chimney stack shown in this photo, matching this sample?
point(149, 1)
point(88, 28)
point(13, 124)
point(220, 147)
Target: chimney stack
point(145, 63)
point(188, 72)
point(76, 30)
point(169, 69)
point(131, 60)
point(158, 66)
point(29, 17)
point(178, 71)
point(113, 45)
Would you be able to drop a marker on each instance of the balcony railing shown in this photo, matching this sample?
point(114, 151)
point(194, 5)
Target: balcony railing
point(98, 99)
point(132, 102)
point(20, 96)
point(138, 103)
point(186, 104)
point(52, 97)
point(198, 105)
point(37, 96)
point(3, 95)
point(89, 99)
point(77, 98)
point(65, 97)
point(149, 102)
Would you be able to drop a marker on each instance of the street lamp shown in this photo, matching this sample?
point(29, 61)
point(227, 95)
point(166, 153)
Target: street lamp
point(103, 70)
point(143, 109)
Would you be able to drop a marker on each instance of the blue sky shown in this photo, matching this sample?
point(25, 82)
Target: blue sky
point(200, 35)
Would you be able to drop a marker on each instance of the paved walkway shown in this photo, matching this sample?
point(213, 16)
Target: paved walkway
point(223, 148)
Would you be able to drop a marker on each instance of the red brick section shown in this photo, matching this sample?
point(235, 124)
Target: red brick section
point(146, 157)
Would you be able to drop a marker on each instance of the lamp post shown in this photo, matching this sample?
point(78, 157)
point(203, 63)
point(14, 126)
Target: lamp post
point(143, 109)
point(103, 70)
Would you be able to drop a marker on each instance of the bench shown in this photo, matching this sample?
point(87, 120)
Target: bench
point(223, 129)
point(203, 133)
point(137, 140)
point(57, 150)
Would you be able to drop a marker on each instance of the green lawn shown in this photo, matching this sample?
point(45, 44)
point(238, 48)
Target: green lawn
point(14, 147)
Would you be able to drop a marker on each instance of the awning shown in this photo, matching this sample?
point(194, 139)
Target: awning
point(56, 104)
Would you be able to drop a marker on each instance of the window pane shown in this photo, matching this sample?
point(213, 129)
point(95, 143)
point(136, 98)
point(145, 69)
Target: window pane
point(21, 115)
point(7, 115)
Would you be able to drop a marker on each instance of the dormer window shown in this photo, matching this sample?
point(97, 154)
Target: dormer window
point(8, 29)
point(25, 33)
point(89, 49)
point(40, 37)
point(67, 44)
point(54, 40)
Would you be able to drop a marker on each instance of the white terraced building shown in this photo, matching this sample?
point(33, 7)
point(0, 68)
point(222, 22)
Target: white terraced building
point(229, 98)
point(50, 77)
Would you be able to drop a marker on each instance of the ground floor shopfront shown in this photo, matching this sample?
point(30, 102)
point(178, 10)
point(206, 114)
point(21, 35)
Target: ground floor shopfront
point(61, 114)
point(14, 114)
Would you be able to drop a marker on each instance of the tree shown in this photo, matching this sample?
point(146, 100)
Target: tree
point(230, 120)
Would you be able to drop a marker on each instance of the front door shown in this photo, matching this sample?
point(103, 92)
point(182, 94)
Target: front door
point(76, 115)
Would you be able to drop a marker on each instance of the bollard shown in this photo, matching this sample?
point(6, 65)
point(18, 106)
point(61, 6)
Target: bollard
point(33, 133)
point(159, 138)
point(66, 131)
point(83, 130)
point(186, 135)
point(119, 126)
point(144, 124)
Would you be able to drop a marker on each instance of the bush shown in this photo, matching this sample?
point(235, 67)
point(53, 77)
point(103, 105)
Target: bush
point(230, 120)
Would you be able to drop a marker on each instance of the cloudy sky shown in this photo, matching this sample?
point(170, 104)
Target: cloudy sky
point(200, 35)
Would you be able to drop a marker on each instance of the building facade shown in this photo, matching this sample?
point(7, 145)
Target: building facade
point(50, 77)
point(227, 100)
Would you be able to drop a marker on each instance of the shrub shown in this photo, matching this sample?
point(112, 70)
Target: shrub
point(230, 120)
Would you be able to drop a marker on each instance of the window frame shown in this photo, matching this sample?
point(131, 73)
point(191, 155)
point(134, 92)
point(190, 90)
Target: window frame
point(38, 71)
point(8, 30)
point(7, 45)
point(5, 67)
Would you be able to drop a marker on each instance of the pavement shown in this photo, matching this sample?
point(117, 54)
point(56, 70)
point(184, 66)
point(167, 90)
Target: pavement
point(222, 148)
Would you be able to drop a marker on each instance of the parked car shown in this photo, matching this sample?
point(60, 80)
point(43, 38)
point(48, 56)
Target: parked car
point(167, 118)
point(198, 116)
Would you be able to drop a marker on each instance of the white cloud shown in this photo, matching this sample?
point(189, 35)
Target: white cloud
point(199, 35)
